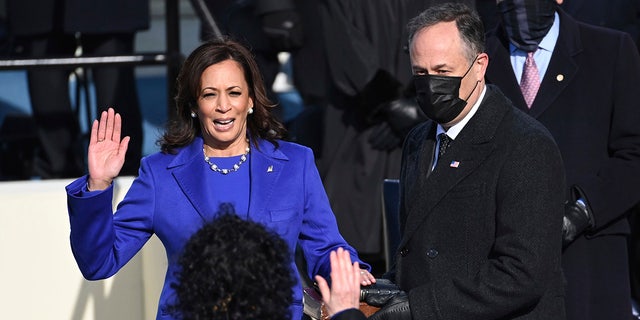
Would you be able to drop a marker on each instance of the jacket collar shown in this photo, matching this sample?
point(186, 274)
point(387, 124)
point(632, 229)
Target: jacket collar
point(266, 165)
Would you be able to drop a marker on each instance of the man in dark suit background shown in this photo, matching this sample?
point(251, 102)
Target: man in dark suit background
point(587, 98)
point(623, 15)
point(48, 29)
point(482, 188)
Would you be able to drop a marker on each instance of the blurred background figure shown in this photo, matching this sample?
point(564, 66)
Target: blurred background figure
point(4, 38)
point(67, 28)
point(623, 15)
point(586, 79)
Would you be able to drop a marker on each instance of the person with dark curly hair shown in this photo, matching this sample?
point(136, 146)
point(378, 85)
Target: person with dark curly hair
point(234, 269)
point(221, 146)
point(215, 282)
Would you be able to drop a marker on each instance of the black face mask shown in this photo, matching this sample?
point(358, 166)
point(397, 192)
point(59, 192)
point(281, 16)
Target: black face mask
point(438, 96)
point(527, 21)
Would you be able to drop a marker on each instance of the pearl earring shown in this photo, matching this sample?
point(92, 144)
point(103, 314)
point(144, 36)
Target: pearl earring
point(193, 114)
point(250, 110)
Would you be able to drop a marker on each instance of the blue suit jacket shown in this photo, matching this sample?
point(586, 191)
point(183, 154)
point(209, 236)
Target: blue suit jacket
point(286, 195)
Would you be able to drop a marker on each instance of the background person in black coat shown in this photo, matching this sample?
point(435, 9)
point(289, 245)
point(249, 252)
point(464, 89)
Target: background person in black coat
point(588, 101)
point(481, 219)
point(47, 29)
point(623, 15)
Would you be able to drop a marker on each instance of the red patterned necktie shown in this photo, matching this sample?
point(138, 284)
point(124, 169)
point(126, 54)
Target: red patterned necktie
point(530, 82)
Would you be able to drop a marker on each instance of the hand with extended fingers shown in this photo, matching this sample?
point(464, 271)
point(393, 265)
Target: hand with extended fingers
point(106, 150)
point(345, 283)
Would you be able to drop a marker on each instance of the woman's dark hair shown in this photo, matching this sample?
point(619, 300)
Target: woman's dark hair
point(234, 269)
point(182, 128)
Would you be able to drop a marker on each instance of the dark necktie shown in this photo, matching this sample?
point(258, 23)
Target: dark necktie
point(445, 141)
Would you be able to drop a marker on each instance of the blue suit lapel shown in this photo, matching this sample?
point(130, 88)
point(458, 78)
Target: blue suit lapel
point(268, 165)
point(188, 171)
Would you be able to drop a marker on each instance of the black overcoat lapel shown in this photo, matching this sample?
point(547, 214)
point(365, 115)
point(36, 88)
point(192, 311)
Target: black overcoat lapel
point(466, 153)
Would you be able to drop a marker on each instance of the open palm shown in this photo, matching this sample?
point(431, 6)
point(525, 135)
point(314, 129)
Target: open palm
point(106, 150)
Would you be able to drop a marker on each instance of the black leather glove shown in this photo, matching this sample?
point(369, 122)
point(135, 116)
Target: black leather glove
point(399, 115)
point(396, 309)
point(383, 138)
point(578, 217)
point(284, 29)
point(379, 293)
point(403, 114)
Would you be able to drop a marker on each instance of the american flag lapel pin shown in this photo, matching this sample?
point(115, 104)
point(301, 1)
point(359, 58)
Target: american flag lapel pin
point(270, 169)
point(454, 164)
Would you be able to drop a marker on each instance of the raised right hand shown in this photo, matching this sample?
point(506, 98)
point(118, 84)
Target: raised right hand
point(106, 151)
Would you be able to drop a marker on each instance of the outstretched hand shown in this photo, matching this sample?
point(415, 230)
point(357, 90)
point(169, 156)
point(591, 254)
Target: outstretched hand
point(106, 151)
point(345, 283)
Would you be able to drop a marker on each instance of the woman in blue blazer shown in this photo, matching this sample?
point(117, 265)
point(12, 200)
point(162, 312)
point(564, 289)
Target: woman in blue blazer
point(221, 147)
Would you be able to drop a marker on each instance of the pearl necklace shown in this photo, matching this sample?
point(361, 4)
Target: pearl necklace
point(235, 168)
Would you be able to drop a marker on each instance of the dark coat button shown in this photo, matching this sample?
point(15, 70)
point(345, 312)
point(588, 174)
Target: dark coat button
point(404, 251)
point(432, 253)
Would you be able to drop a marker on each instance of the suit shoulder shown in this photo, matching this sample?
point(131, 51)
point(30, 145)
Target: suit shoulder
point(291, 148)
point(160, 157)
point(599, 37)
point(179, 156)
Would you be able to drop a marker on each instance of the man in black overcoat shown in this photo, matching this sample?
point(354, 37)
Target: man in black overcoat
point(482, 188)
